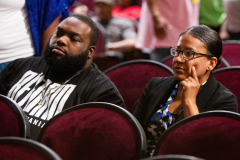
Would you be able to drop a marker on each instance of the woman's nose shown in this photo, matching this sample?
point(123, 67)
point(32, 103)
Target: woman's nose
point(179, 58)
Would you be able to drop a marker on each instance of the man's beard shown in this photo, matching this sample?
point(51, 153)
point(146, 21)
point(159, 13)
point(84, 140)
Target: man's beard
point(67, 64)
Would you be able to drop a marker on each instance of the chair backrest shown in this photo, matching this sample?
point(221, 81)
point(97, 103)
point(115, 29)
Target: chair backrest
point(209, 135)
point(168, 62)
point(13, 121)
point(131, 77)
point(231, 52)
point(172, 157)
point(95, 130)
point(16, 148)
point(230, 77)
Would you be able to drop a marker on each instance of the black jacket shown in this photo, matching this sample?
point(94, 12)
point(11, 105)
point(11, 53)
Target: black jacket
point(213, 96)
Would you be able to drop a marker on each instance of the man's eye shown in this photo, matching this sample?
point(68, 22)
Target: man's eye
point(74, 39)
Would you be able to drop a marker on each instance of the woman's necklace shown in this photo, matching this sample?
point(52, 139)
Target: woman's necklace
point(50, 89)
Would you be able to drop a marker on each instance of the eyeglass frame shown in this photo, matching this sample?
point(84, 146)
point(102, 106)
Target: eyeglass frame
point(194, 53)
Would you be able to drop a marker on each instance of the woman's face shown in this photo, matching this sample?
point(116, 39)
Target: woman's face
point(183, 68)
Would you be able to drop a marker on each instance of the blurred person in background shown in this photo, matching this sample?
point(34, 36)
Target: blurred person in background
point(231, 28)
point(161, 22)
point(211, 14)
point(119, 33)
point(126, 9)
point(26, 26)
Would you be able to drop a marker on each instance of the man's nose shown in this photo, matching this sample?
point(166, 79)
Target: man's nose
point(62, 40)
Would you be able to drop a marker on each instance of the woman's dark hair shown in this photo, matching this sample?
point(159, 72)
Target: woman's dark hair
point(209, 38)
point(94, 33)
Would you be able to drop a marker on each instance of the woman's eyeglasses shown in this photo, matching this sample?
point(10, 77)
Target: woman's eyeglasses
point(187, 54)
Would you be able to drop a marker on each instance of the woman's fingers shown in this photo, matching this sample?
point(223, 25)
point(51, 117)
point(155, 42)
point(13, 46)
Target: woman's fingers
point(194, 74)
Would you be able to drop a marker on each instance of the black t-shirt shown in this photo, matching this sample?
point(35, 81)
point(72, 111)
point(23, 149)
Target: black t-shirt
point(30, 81)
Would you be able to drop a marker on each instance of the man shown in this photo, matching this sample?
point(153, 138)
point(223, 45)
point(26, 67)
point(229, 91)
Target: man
point(65, 77)
point(119, 33)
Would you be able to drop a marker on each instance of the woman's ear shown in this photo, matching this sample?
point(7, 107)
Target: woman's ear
point(212, 63)
point(91, 51)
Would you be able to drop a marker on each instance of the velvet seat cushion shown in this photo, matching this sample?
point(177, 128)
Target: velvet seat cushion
point(10, 122)
point(90, 134)
point(20, 152)
point(208, 138)
point(131, 79)
point(230, 79)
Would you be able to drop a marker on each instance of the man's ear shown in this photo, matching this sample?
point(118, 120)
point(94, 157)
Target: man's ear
point(212, 63)
point(91, 51)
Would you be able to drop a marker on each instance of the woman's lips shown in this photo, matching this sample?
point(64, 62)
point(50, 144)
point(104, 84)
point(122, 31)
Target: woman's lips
point(178, 68)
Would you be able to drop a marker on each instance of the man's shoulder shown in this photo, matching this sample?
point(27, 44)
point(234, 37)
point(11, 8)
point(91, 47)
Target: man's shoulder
point(97, 78)
point(97, 74)
point(23, 64)
point(28, 61)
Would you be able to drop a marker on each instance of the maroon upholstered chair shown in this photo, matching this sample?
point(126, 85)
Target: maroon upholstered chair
point(168, 62)
point(209, 135)
point(16, 148)
point(172, 157)
point(93, 131)
point(231, 52)
point(131, 77)
point(13, 121)
point(230, 77)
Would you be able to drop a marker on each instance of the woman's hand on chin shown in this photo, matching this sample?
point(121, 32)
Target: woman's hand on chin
point(189, 88)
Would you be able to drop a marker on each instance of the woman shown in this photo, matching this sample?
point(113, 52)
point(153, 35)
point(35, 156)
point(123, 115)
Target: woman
point(190, 91)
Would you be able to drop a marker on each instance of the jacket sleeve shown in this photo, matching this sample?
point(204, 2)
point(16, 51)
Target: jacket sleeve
point(143, 98)
point(227, 101)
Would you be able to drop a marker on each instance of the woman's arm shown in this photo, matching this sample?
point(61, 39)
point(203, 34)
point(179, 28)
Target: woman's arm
point(189, 89)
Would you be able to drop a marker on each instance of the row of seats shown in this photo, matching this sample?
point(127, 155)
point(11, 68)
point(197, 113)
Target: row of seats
point(106, 131)
point(89, 131)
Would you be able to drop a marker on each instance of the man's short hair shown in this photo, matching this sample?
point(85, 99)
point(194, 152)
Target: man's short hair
point(94, 33)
